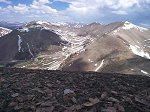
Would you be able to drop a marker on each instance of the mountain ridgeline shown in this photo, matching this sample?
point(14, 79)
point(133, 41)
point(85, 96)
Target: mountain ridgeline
point(119, 47)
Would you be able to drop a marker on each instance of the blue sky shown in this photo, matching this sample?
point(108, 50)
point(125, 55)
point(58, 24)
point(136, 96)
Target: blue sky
point(104, 11)
point(58, 5)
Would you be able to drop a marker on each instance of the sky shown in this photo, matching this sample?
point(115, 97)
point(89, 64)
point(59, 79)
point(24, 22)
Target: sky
point(84, 11)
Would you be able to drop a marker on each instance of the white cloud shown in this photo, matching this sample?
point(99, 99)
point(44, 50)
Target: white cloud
point(125, 4)
point(99, 9)
point(40, 2)
point(37, 7)
point(44, 9)
point(121, 6)
point(37, 10)
point(120, 12)
point(40, 7)
point(78, 10)
point(21, 8)
point(96, 9)
point(114, 4)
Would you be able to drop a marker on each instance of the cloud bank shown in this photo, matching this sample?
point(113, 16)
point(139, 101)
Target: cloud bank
point(136, 11)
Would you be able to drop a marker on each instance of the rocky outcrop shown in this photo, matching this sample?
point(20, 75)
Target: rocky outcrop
point(58, 91)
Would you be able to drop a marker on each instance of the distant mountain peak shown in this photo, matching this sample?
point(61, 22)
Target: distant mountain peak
point(127, 25)
point(38, 22)
point(68, 24)
point(59, 23)
point(34, 25)
point(41, 22)
point(95, 23)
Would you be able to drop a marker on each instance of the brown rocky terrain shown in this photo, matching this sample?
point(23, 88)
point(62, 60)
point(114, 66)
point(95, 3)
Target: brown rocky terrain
point(23, 90)
point(118, 48)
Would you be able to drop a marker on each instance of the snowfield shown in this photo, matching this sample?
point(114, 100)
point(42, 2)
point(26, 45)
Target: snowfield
point(24, 29)
point(128, 25)
point(136, 50)
point(19, 43)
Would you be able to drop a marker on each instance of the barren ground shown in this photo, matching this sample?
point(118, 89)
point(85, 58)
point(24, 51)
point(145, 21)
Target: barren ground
point(23, 90)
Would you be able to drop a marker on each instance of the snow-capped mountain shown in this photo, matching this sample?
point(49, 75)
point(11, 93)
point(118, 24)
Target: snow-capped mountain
point(4, 31)
point(120, 47)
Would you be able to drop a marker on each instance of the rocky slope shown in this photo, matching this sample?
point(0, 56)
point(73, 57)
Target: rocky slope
point(43, 54)
point(26, 42)
point(57, 91)
point(123, 49)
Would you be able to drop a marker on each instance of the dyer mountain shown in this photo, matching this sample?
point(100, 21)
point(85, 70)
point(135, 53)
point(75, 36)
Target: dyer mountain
point(119, 47)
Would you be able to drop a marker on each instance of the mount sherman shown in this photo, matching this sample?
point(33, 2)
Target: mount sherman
point(119, 47)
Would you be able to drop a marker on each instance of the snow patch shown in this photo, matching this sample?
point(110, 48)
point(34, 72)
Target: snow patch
point(147, 40)
point(145, 46)
point(90, 60)
point(95, 64)
point(25, 29)
point(136, 50)
point(128, 25)
point(78, 26)
point(58, 32)
point(115, 31)
point(19, 43)
point(137, 46)
point(99, 66)
point(124, 42)
point(144, 72)
point(41, 22)
point(59, 24)
point(30, 50)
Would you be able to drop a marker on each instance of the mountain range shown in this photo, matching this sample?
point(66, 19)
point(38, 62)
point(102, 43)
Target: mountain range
point(119, 47)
